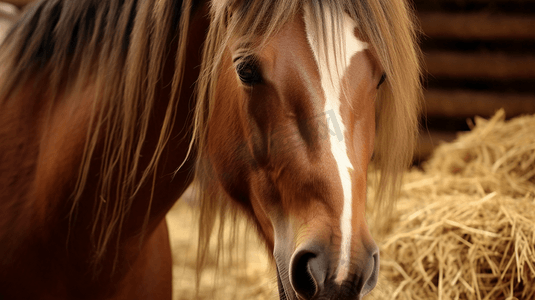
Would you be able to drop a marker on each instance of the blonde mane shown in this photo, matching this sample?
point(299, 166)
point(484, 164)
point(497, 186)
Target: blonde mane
point(120, 48)
point(388, 26)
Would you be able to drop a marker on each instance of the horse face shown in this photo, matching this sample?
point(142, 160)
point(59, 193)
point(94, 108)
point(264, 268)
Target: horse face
point(290, 137)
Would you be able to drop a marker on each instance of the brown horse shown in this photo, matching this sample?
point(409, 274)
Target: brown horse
point(107, 108)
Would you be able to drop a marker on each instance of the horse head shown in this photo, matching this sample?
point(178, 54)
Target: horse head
point(298, 102)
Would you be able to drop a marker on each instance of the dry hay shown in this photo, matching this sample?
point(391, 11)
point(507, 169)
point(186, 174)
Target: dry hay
point(495, 156)
point(465, 227)
point(245, 272)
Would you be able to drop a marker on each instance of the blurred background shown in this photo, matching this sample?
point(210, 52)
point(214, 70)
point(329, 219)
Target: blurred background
point(479, 56)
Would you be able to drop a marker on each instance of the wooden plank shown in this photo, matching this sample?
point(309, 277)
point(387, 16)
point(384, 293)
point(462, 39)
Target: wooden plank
point(480, 65)
point(481, 26)
point(465, 104)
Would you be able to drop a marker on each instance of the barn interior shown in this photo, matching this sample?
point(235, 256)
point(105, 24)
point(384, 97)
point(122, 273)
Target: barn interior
point(464, 226)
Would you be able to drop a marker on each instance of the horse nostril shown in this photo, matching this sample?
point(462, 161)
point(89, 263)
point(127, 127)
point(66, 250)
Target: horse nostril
point(371, 281)
point(301, 276)
point(306, 274)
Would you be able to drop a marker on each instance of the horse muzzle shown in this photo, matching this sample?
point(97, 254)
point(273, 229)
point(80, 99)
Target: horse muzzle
point(313, 273)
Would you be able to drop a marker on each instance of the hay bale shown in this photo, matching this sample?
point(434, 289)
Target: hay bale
point(494, 156)
point(463, 247)
point(465, 227)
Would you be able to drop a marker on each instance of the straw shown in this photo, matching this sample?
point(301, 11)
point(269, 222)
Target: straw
point(465, 226)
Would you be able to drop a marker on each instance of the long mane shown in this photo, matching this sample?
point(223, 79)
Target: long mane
point(119, 47)
point(388, 26)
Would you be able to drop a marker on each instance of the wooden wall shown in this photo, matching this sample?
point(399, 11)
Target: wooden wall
point(479, 56)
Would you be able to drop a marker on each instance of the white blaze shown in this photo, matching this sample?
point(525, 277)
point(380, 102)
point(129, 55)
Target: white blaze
point(332, 68)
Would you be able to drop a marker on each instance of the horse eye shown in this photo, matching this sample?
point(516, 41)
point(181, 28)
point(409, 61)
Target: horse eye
point(249, 73)
point(383, 78)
